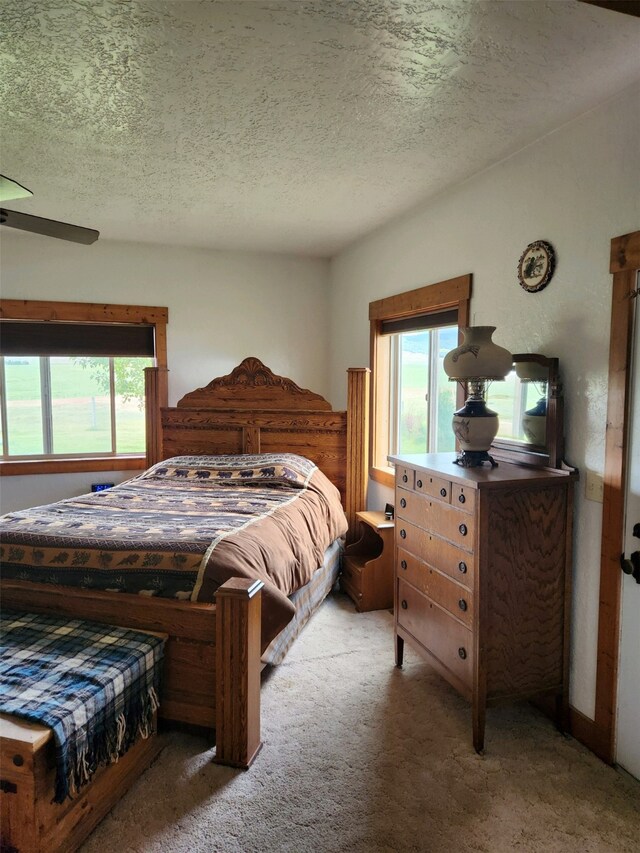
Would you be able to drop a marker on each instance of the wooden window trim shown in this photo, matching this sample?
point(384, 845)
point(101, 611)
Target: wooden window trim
point(64, 465)
point(86, 312)
point(453, 293)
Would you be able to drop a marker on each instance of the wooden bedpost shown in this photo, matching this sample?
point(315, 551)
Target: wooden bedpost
point(238, 606)
point(357, 444)
point(156, 392)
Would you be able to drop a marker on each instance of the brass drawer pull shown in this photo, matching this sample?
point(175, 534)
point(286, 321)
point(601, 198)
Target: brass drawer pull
point(405, 479)
point(462, 604)
point(404, 604)
point(463, 529)
point(462, 653)
point(443, 492)
point(419, 483)
point(403, 533)
point(462, 499)
point(403, 503)
point(462, 567)
point(403, 564)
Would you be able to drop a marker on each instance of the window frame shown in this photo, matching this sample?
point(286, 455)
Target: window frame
point(454, 293)
point(86, 312)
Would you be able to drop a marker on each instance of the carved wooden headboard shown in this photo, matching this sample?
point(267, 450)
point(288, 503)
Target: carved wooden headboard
point(252, 410)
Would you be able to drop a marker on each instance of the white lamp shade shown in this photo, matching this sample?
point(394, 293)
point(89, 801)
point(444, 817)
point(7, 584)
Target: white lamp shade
point(478, 357)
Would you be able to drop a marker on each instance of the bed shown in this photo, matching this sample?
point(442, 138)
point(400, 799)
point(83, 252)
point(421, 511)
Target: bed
point(250, 420)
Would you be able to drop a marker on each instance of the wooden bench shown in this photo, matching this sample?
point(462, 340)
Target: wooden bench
point(30, 822)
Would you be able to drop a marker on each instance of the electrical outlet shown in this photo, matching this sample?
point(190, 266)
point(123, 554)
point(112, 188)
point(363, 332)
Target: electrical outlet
point(594, 487)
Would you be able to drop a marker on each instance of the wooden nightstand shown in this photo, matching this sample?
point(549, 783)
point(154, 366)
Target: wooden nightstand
point(367, 565)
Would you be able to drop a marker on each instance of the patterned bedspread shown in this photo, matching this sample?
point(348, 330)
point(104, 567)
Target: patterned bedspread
point(94, 685)
point(184, 527)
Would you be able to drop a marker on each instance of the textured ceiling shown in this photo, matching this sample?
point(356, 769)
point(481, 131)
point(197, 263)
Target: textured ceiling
point(287, 126)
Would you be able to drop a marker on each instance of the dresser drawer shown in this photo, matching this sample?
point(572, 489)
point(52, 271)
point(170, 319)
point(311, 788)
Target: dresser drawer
point(439, 633)
point(405, 477)
point(437, 552)
point(435, 487)
point(463, 498)
point(457, 599)
point(438, 517)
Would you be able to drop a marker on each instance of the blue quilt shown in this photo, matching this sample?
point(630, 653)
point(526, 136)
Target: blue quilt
point(94, 685)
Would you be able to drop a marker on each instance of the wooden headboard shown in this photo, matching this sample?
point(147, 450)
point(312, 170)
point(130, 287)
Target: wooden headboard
point(252, 410)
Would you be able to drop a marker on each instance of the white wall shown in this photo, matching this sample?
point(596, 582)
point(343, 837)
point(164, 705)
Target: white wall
point(577, 188)
point(30, 490)
point(223, 306)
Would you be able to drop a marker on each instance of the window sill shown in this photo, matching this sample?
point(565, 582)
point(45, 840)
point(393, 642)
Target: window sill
point(386, 476)
point(72, 466)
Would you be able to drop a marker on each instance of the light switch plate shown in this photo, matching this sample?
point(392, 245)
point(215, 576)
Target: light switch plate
point(594, 487)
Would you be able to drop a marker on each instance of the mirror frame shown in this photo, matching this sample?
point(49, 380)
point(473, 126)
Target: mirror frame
point(551, 454)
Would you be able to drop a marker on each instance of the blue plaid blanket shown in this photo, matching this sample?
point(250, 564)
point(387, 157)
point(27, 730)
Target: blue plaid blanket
point(94, 685)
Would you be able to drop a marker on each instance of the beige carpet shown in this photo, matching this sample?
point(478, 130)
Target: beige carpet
point(360, 756)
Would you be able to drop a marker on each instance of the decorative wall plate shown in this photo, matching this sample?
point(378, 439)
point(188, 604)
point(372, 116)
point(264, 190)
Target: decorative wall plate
point(536, 266)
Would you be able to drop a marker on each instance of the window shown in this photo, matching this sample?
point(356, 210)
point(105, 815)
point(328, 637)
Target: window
point(72, 384)
point(412, 399)
point(72, 406)
point(421, 400)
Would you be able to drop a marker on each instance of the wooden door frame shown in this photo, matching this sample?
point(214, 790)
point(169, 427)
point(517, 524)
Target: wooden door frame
point(625, 263)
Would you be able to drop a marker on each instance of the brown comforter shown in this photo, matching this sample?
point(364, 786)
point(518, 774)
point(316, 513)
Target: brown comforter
point(182, 528)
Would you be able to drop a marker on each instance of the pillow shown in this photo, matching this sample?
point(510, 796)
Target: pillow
point(265, 468)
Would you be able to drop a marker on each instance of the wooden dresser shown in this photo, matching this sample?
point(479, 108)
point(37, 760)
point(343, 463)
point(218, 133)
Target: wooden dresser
point(482, 577)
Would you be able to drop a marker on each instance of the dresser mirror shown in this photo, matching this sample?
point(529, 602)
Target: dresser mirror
point(529, 407)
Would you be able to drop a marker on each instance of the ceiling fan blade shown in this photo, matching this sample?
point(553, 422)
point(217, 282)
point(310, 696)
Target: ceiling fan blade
point(48, 227)
point(10, 189)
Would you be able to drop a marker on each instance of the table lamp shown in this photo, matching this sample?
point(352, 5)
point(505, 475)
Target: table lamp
point(476, 362)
